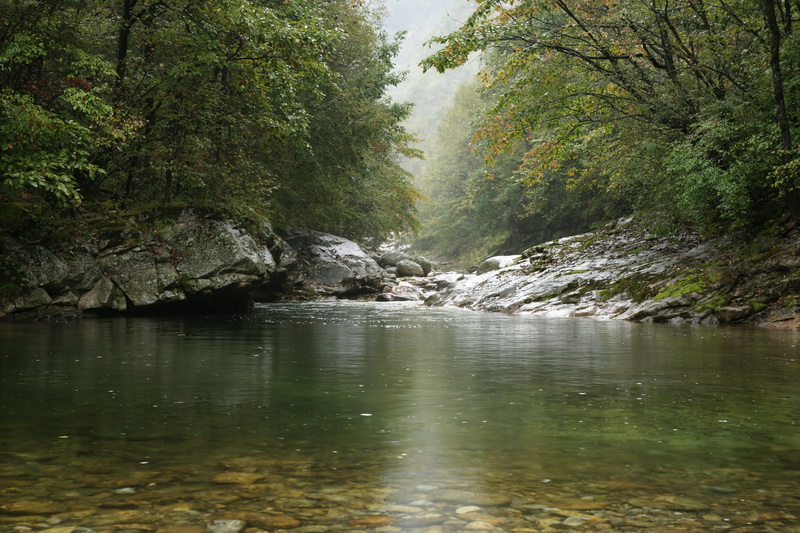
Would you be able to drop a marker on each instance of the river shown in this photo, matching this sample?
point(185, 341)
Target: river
point(349, 416)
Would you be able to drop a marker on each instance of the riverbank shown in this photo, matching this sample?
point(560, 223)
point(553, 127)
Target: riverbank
point(188, 260)
point(623, 271)
point(184, 261)
point(115, 262)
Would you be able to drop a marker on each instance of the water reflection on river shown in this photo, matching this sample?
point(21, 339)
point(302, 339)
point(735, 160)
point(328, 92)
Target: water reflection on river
point(395, 417)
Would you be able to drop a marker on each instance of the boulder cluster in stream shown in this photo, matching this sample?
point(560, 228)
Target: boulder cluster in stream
point(320, 265)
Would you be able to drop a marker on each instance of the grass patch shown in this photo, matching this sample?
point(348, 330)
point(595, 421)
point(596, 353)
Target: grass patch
point(572, 272)
point(589, 240)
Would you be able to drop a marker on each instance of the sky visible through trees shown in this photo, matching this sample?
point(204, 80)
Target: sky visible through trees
point(419, 19)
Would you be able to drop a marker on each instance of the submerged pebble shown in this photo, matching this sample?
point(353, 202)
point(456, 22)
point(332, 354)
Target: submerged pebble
point(422, 503)
point(226, 526)
point(574, 521)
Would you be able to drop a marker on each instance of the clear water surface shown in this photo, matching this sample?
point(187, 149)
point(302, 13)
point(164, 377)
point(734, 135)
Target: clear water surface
point(396, 417)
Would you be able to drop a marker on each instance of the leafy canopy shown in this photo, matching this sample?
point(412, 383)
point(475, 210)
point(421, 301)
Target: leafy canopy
point(262, 104)
point(617, 105)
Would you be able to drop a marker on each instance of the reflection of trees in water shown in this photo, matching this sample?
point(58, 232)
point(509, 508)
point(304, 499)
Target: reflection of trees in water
point(455, 394)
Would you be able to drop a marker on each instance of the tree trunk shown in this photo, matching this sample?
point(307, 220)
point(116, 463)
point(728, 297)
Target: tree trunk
point(124, 38)
point(168, 186)
point(782, 115)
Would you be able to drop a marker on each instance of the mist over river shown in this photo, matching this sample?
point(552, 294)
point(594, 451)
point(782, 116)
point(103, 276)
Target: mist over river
point(348, 416)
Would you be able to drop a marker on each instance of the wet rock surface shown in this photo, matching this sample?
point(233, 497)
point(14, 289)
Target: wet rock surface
point(327, 265)
point(321, 266)
point(405, 264)
point(195, 263)
point(624, 272)
point(400, 291)
point(192, 262)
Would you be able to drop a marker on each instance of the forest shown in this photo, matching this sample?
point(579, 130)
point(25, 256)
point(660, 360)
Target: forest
point(252, 106)
point(682, 112)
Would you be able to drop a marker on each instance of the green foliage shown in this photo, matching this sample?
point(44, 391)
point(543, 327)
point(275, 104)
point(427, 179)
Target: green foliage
point(40, 150)
point(466, 215)
point(54, 113)
point(347, 180)
point(478, 207)
point(719, 168)
point(239, 103)
point(223, 91)
point(599, 109)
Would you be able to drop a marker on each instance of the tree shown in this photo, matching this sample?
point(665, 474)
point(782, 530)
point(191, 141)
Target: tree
point(214, 87)
point(54, 108)
point(781, 112)
point(257, 104)
point(605, 90)
point(348, 179)
point(474, 209)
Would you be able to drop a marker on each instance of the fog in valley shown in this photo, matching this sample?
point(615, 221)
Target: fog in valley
point(431, 92)
point(421, 20)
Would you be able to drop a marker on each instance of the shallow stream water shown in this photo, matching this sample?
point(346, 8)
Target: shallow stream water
point(350, 416)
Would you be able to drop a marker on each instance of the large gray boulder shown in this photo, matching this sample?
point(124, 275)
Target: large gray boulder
point(402, 292)
point(31, 278)
point(41, 268)
point(390, 259)
point(393, 259)
point(198, 262)
point(104, 296)
point(330, 265)
point(134, 273)
point(407, 268)
point(217, 257)
point(426, 265)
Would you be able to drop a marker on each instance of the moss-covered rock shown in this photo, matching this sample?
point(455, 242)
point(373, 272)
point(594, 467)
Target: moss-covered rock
point(625, 272)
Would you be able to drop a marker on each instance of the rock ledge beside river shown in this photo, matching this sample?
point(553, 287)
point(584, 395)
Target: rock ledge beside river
point(624, 272)
point(193, 262)
point(180, 261)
